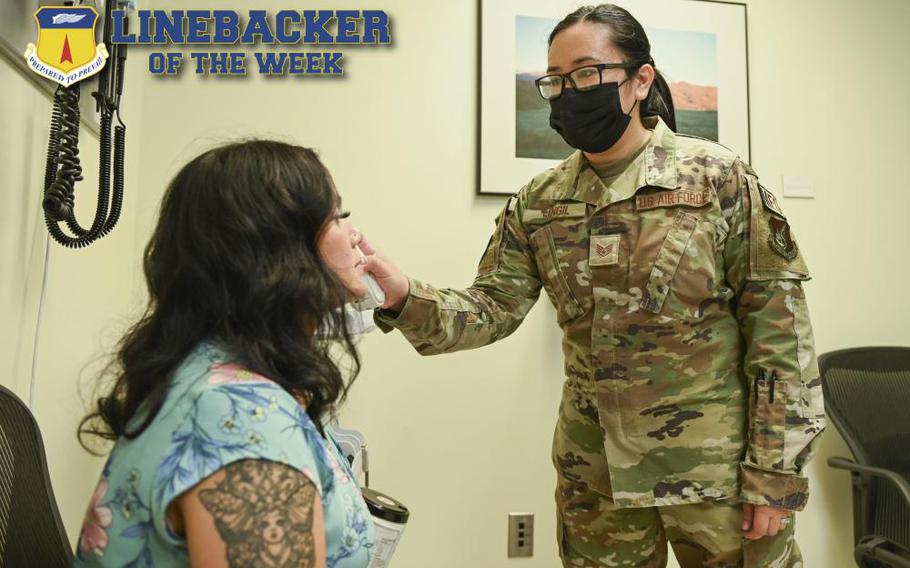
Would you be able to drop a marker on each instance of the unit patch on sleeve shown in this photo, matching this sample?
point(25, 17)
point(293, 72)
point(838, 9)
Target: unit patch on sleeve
point(770, 201)
point(780, 240)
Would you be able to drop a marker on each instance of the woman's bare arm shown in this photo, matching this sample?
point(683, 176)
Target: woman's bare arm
point(252, 513)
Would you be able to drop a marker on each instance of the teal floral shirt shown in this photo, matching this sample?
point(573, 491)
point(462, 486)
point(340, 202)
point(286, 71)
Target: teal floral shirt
point(215, 413)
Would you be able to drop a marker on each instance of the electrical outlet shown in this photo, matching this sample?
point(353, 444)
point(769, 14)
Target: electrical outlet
point(521, 535)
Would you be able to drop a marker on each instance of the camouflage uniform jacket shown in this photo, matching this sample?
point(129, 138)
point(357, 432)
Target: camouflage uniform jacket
point(678, 290)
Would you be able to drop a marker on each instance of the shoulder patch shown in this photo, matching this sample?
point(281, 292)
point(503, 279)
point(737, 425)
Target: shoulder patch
point(780, 240)
point(510, 206)
point(489, 263)
point(773, 252)
point(770, 201)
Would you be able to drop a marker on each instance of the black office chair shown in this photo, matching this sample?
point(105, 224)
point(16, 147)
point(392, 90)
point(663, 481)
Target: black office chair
point(867, 397)
point(31, 532)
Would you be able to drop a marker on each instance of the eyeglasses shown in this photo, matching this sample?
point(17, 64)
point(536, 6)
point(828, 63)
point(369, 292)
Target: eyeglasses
point(582, 79)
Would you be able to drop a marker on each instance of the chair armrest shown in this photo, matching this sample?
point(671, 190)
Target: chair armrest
point(850, 465)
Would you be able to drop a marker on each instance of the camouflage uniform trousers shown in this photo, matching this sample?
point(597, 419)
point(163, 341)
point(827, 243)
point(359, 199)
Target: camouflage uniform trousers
point(593, 533)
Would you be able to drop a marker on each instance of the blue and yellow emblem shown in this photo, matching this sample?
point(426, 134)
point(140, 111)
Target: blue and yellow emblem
point(66, 51)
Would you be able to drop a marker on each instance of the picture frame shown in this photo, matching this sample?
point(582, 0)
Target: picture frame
point(701, 47)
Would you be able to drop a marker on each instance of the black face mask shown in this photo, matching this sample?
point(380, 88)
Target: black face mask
point(593, 120)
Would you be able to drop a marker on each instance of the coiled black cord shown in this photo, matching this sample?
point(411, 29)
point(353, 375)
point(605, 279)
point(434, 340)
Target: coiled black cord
point(119, 162)
point(63, 170)
point(50, 171)
point(104, 184)
point(63, 163)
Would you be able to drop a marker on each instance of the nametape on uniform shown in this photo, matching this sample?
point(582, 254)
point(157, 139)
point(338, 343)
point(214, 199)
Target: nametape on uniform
point(556, 211)
point(685, 197)
point(604, 250)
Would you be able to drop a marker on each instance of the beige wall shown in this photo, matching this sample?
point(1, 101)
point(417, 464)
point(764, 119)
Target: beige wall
point(463, 439)
point(88, 294)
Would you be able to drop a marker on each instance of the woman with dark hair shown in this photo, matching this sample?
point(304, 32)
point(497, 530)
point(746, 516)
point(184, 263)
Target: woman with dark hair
point(691, 402)
point(222, 388)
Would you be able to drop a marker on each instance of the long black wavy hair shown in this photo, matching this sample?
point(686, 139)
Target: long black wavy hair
point(629, 37)
point(234, 258)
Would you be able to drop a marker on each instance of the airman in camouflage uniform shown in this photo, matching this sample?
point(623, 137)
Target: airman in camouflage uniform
point(691, 380)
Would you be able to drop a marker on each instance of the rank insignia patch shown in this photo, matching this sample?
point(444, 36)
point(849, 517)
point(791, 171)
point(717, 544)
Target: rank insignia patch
point(604, 250)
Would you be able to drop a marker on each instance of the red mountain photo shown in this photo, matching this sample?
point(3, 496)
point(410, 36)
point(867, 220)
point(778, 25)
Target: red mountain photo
point(687, 96)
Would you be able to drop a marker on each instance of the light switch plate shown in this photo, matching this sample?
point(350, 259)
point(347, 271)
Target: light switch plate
point(798, 186)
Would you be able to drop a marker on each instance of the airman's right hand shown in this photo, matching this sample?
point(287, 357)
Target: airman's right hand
point(390, 278)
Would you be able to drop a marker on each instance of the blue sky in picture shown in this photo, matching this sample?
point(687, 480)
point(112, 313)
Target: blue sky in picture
point(682, 55)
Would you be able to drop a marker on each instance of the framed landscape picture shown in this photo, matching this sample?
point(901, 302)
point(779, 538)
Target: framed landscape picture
point(699, 45)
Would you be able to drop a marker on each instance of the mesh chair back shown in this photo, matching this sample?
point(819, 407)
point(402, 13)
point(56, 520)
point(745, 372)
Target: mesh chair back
point(31, 532)
point(867, 395)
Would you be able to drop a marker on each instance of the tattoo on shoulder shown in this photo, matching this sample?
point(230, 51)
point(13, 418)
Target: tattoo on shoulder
point(264, 513)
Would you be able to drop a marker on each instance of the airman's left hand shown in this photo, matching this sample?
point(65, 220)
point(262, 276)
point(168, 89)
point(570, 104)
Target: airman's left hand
point(761, 520)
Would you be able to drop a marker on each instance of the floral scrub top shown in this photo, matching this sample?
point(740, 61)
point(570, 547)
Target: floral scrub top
point(215, 413)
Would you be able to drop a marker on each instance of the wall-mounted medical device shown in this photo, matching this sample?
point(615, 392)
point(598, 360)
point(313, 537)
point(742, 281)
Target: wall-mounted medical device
point(63, 168)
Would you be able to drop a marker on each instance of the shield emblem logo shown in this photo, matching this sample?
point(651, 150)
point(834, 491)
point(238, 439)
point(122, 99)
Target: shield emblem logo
point(66, 50)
